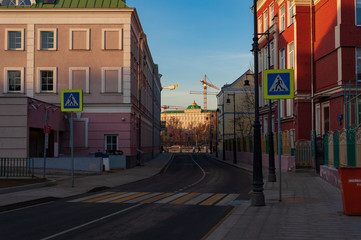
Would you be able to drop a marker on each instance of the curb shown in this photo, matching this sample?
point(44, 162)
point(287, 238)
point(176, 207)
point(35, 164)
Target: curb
point(27, 187)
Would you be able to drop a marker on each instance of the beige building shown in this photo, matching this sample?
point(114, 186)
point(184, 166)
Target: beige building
point(236, 104)
point(190, 117)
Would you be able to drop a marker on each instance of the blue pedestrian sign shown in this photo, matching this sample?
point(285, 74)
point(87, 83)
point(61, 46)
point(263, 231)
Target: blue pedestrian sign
point(278, 84)
point(71, 100)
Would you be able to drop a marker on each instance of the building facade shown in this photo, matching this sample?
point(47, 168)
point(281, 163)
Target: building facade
point(95, 46)
point(236, 106)
point(320, 40)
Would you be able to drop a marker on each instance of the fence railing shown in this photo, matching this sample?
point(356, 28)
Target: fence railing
point(16, 167)
point(342, 148)
point(245, 143)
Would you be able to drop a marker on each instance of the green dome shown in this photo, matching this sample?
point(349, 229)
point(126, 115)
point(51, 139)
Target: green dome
point(194, 106)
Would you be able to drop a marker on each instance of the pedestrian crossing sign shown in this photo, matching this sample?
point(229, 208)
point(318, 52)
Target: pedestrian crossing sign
point(278, 84)
point(71, 100)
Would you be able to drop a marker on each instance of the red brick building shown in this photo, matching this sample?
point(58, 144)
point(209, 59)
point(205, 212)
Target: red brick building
point(321, 41)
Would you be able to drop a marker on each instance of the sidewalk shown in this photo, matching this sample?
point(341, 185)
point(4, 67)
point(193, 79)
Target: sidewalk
point(311, 208)
point(62, 184)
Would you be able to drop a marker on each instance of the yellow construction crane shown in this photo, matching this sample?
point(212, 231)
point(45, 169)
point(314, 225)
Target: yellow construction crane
point(205, 84)
point(171, 87)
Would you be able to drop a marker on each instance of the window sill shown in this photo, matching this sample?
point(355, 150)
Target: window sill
point(15, 49)
point(46, 93)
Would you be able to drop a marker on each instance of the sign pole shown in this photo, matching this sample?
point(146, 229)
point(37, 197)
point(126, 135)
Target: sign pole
point(279, 148)
point(72, 148)
point(46, 141)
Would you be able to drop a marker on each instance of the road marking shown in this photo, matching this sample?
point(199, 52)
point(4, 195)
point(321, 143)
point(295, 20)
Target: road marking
point(171, 198)
point(139, 199)
point(103, 197)
point(213, 199)
point(199, 199)
point(227, 200)
point(153, 199)
point(117, 197)
point(91, 222)
point(184, 198)
point(129, 197)
point(89, 197)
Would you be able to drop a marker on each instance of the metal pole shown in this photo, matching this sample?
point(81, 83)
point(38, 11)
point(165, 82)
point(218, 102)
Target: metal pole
point(234, 129)
point(224, 145)
point(271, 155)
point(72, 148)
point(257, 193)
point(279, 148)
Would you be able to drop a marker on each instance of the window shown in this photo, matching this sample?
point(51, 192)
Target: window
point(358, 12)
point(14, 39)
point(260, 28)
point(282, 108)
point(47, 39)
point(282, 23)
point(14, 80)
point(290, 12)
point(47, 80)
point(79, 78)
point(265, 20)
point(79, 39)
point(282, 64)
point(358, 63)
point(112, 39)
point(111, 143)
point(291, 56)
point(111, 80)
point(318, 120)
point(272, 14)
point(260, 61)
point(289, 106)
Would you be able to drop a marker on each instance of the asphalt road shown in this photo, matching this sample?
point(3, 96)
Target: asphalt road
point(186, 201)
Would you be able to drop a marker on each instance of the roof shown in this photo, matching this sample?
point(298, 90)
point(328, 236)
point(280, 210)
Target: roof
point(75, 4)
point(194, 105)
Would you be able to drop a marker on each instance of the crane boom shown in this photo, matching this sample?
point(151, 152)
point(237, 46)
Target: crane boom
point(200, 92)
point(205, 84)
point(171, 87)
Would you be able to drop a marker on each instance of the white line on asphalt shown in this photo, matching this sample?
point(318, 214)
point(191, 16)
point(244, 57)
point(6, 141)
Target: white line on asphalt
point(91, 222)
point(171, 198)
point(199, 199)
point(227, 200)
point(117, 197)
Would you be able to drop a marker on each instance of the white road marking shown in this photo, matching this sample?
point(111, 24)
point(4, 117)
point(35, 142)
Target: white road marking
point(171, 198)
point(91, 222)
point(89, 197)
point(227, 200)
point(199, 199)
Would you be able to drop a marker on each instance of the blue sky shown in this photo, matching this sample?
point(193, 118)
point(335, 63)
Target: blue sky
point(191, 38)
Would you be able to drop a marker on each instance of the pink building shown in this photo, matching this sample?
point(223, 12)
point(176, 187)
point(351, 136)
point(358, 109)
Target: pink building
point(96, 46)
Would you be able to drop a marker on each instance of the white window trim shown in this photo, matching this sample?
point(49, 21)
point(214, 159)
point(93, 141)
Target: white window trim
point(265, 20)
point(318, 119)
point(289, 55)
point(271, 12)
point(55, 31)
point(323, 106)
point(281, 27)
point(22, 76)
point(282, 59)
point(55, 79)
point(71, 69)
point(120, 77)
point(120, 30)
point(105, 140)
point(87, 30)
point(7, 30)
point(289, 106)
point(290, 5)
point(260, 24)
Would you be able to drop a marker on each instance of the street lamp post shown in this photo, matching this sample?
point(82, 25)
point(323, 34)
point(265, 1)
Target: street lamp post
point(234, 126)
point(257, 197)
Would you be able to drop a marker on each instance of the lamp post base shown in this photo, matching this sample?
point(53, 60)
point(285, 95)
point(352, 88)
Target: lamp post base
point(272, 177)
point(257, 199)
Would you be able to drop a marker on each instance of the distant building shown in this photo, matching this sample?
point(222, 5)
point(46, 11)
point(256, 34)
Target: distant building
point(236, 106)
point(193, 115)
point(96, 46)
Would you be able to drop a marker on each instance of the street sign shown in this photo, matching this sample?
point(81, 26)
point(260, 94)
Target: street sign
point(278, 84)
point(71, 100)
point(47, 129)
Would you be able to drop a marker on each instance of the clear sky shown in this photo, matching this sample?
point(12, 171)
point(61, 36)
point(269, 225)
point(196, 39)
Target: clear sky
point(191, 38)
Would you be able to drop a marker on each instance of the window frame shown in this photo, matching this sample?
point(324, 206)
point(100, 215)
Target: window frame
point(120, 78)
point(106, 142)
point(272, 13)
point(290, 12)
point(358, 58)
point(55, 79)
point(265, 20)
point(357, 24)
point(55, 36)
point(71, 69)
point(282, 59)
point(120, 30)
point(6, 78)
point(291, 55)
point(7, 40)
point(71, 39)
point(282, 22)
